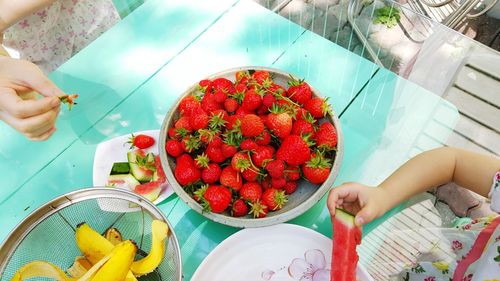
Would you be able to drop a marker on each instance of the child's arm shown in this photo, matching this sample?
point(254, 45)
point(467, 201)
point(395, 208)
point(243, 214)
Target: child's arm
point(13, 11)
point(425, 171)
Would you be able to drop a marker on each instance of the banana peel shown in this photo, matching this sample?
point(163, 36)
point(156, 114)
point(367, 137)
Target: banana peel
point(40, 269)
point(113, 235)
point(117, 267)
point(159, 231)
point(94, 246)
point(80, 266)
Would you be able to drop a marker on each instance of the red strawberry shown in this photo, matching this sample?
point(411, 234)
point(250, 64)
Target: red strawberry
point(294, 151)
point(264, 138)
point(190, 143)
point(198, 119)
point(279, 122)
point(231, 178)
point(228, 150)
point(278, 183)
point(188, 104)
point(318, 107)
point(232, 120)
point(260, 76)
point(258, 209)
point(251, 191)
point(241, 74)
point(268, 100)
point(209, 104)
point(251, 101)
point(301, 114)
point(262, 154)
point(185, 172)
point(276, 168)
point(141, 141)
point(211, 173)
point(217, 198)
point(251, 125)
point(250, 175)
point(215, 154)
point(277, 89)
point(172, 133)
point(241, 162)
point(292, 173)
point(220, 96)
point(205, 86)
point(222, 84)
point(290, 187)
point(299, 91)
point(317, 169)
point(248, 144)
point(183, 123)
point(239, 208)
point(159, 170)
point(231, 105)
point(326, 136)
point(174, 148)
point(302, 127)
point(274, 199)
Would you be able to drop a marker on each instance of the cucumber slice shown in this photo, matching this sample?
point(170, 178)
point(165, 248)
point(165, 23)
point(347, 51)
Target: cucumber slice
point(120, 168)
point(127, 181)
point(141, 173)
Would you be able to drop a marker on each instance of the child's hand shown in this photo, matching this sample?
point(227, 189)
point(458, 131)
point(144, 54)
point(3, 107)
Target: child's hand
point(367, 203)
point(34, 118)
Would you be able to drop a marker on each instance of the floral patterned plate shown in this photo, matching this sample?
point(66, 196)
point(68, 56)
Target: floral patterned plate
point(275, 253)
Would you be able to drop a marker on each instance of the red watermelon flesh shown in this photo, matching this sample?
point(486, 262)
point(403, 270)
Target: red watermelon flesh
point(150, 190)
point(159, 170)
point(346, 236)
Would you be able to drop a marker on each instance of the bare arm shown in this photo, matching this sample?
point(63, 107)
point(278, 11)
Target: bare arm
point(423, 172)
point(439, 166)
point(11, 11)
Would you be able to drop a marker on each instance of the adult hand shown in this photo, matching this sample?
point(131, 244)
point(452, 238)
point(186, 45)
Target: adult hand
point(367, 203)
point(31, 116)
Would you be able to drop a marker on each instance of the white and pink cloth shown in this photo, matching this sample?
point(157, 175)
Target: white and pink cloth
point(51, 36)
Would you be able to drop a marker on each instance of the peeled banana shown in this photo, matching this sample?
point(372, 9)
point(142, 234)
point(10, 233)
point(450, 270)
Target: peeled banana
point(159, 231)
point(117, 267)
point(113, 235)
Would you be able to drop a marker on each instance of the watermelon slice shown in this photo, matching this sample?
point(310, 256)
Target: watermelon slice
point(150, 190)
point(346, 236)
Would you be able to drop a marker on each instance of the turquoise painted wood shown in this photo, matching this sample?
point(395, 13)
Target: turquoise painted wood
point(146, 107)
point(105, 73)
point(332, 70)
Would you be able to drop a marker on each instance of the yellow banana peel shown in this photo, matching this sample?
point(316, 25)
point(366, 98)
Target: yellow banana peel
point(159, 231)
point(80, 266)
point(117, 267)
point(113, 235)
point(40, 269)
point(94, 246)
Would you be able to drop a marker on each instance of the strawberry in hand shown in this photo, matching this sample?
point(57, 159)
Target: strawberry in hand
point(69, 100)
point(141, 141)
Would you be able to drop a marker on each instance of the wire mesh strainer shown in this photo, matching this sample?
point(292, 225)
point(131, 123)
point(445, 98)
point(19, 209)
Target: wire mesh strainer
point(48, 233)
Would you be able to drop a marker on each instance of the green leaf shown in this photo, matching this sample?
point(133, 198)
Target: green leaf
point(388, 16)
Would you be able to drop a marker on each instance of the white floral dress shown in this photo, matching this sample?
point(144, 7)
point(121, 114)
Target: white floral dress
point(54, 34)
point(475, 247)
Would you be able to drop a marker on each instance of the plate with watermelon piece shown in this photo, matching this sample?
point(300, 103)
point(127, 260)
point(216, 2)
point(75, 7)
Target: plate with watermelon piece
point(131, 161)
point(281, 252)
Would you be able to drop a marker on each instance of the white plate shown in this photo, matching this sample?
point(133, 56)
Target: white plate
point(282, 252)
point(115, 150)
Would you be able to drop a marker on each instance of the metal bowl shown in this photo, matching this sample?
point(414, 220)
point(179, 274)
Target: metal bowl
point(48, 233)
point(305, 197)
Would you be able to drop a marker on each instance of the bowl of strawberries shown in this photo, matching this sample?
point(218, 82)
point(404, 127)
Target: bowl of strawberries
point(251, 147)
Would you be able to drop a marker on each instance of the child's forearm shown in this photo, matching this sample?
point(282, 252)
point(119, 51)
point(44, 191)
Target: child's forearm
point(13, 11)
point(439, 166)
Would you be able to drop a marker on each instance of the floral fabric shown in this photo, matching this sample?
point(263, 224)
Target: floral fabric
point(51, 36)
point(474, 252)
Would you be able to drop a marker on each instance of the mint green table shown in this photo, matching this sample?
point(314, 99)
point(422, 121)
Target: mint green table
point(130, 76)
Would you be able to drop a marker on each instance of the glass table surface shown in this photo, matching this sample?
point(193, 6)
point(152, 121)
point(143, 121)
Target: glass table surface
point(130, 76)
